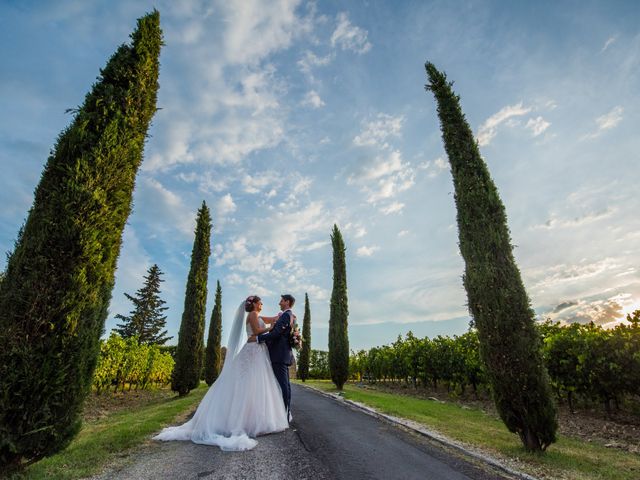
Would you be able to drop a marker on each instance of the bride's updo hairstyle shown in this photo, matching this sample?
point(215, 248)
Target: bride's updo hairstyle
point(249, 303)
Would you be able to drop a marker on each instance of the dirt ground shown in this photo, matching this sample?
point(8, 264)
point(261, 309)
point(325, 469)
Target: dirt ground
point(97, 407)
point(620, 430)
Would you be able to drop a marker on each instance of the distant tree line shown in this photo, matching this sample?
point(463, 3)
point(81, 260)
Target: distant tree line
point(586, 363)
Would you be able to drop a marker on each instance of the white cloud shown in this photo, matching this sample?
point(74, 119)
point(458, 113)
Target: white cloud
point(225, 206)
point(310, 60)
point(313, 100)
point(602, 311)
point(610, 41)
point(257, 182)
point(537, 125)
point(377, 131)
point(555, 275)
point(358, 230)
point(256, 28)
point(377, 167)
point(577, 221)
point(388, 187)
point(350, 37)
point(403, 233)
point(606, 122)
point(489, 128)
point(394, 207)
point(611, 119)
point(365, 251)
point(435, 167)
point(163, 208)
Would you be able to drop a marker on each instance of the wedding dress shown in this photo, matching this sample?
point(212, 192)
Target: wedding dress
point(245, 400)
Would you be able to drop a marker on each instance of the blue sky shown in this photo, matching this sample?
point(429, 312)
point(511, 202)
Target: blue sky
point(289, 116)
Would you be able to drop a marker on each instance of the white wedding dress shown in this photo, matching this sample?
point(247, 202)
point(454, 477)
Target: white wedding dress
point(245, 400)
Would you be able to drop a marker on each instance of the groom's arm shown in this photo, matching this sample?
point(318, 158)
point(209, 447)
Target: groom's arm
point(279, 328)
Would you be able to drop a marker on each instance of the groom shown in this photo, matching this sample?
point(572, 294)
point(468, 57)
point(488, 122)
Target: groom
point(277, 340)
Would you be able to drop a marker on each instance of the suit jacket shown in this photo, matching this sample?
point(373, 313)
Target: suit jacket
point(277, 340)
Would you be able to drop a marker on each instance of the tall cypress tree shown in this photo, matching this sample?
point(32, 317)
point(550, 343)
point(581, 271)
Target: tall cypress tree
point(305, 352)
point(212, 358)
point(338, 313)
point(509, 342)
point(146, 320)
point(54, 298)
point(190, 351)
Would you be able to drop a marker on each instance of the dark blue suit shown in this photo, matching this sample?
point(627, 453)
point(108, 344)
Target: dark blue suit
point(277, 341)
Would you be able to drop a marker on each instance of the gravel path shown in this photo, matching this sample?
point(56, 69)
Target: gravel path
point(186, 460)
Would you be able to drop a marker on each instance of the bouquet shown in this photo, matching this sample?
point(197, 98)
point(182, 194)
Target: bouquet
point(295, 338)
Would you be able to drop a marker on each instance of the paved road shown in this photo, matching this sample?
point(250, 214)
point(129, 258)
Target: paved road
point(354, 445)
point(328, 440)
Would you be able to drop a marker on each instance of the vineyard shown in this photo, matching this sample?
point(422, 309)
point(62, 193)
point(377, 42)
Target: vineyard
point(586, 363)
point(125, 362)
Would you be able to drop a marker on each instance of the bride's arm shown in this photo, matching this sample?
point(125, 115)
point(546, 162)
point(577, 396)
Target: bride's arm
point(269, 319)
point(255, 324)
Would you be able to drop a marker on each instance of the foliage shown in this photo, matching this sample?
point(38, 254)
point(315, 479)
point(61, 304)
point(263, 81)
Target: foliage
point(58, 282)
point(190, 351)
point(338, 313)
point(146, 320)
point(303, 357)
point(125, 361)
point(585, 362)
point(318, 364)
point(593, 363)
point(213, 356)
point(497, 300)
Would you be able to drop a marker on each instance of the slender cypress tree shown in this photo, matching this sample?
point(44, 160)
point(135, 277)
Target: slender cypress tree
point(510, 345)
point(54, 298)
point(305, 352)
point(190, 351)
point(146, 320)
point(338, 313)
point(212, 358)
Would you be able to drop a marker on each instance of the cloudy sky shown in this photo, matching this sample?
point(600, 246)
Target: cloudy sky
point(288, 116)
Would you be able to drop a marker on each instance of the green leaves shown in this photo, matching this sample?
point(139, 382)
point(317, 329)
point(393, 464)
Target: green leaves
point(498, 302)
point(338, 314)
point(190, 351)
point(305, 353)
point(213, 355)
point(54, 298)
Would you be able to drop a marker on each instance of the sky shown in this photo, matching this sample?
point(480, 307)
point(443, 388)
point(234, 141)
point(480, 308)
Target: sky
point(290, 116)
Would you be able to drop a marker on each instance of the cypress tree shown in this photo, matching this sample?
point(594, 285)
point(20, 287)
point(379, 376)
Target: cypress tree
point(338, 313)
point(305, 352)
point(57, 288)
point(510, 344)
point(212, 359)
point(146, 320)
point(190, 351)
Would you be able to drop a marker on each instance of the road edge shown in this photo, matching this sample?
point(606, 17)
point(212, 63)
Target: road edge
point(421, 430)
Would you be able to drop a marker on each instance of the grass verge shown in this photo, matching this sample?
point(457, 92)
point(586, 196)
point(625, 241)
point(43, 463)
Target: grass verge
point(569, 458)
point(101, 441)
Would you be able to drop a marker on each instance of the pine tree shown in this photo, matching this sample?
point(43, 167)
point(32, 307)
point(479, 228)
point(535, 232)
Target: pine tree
point(509, 342)
point(338, 313)
point(212, 359)
point(57, 288)
point(146, 320)
point(305, 352)
point(190, 351)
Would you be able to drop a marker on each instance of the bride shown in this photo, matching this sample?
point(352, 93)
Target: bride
point(245, 401)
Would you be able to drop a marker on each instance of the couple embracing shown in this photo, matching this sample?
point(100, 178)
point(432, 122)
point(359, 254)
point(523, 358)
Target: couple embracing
point(252, 394)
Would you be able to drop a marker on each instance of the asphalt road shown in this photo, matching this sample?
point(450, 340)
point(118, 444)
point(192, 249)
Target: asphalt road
point(354, 445)
point(327, 440)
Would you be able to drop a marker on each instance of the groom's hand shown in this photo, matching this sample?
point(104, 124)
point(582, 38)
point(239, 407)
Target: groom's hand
point(251, 339)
